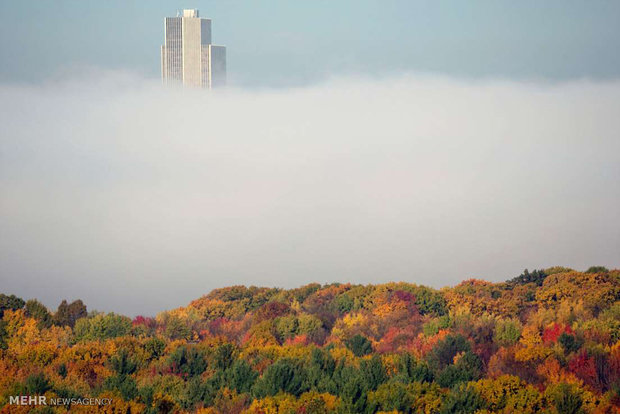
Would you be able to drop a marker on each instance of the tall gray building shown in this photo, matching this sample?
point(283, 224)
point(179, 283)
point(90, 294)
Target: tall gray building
point(187, 55)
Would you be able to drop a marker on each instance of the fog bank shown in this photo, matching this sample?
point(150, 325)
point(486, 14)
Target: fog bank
point(136, 198)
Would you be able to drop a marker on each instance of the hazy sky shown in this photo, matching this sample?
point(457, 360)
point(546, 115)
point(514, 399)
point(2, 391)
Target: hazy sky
point(360, 142)
point(283, 42)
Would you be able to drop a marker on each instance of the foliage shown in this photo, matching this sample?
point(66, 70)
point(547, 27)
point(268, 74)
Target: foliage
point(463, 399)
point(176, 328)
point(433, 326)
point(68, 313)
point(11, 302)
point(409, 369)
point(286, 375)
point(122, 363)
point(537, 277)
point(38, 311)
point(3, 335)
point(546, 341)
point(507, 332)
point(445, 350)
point(597, 269)
point(509, 393)
point(359, 345)
point(404, 398)
point(569, 342)
point(241, 377)
point(566, 399)
point(154, 347)
point(37, 384)
point(101, 327)
point(187, 361)
point(467, 367)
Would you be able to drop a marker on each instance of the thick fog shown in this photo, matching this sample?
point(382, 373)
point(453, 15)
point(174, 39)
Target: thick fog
point(136, 198)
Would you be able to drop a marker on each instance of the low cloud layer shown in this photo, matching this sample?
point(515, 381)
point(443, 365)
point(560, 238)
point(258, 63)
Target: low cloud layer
point(136, 198)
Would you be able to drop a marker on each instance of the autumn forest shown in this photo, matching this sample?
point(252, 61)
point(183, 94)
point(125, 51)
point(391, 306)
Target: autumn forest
point(545, 341)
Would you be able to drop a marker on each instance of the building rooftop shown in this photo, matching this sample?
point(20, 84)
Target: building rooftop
point(190, 12)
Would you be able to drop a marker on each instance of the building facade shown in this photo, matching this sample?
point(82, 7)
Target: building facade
point(187, 56)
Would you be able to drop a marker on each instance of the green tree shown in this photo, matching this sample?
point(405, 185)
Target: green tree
point(393, 396)
point(125, 385)
point(557, 269)
point(38, 311)
point(409, 369)
point(286, 327)
point(62, 370)
point(429, 301)
point(188, 361)
point(285, 375)
point(359, 345)
point(373, 372)
point(68, 314)
point(154, 347)
point(311, 326)
point(195, 392)
point(37, 384)
point(433, 326)
point(467, 368)
point(3, 335)
point(320, 371)
point(224, 356)
point(10, 303)
point(241, 377)
point(597, 269)
point(101, 327)
point(567, 400)
point(570, 343)
point(176, 328)
point(537, 277)
point(507, 332)
point(445, 350)
point(463, 399)
point(354, 393)
point(350, 386)
point(344, 303)
point(122, 363)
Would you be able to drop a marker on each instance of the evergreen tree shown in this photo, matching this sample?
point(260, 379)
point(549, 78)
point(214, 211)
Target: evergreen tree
point(359, 345)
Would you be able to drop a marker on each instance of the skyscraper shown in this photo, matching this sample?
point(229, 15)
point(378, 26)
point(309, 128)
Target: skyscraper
point(187, 55)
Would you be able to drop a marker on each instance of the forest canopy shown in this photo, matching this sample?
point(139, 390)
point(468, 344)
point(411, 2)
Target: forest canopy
point(544, 341)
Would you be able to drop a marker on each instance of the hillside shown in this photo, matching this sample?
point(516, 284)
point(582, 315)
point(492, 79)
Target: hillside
point(545, 341)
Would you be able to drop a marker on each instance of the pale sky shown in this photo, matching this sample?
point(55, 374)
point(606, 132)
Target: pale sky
point(283, 42)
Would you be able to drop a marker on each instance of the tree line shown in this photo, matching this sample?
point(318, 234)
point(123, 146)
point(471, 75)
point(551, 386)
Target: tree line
point(544, 341)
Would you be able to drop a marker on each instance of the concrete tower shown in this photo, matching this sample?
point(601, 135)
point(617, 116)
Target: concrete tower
point(187, 55)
